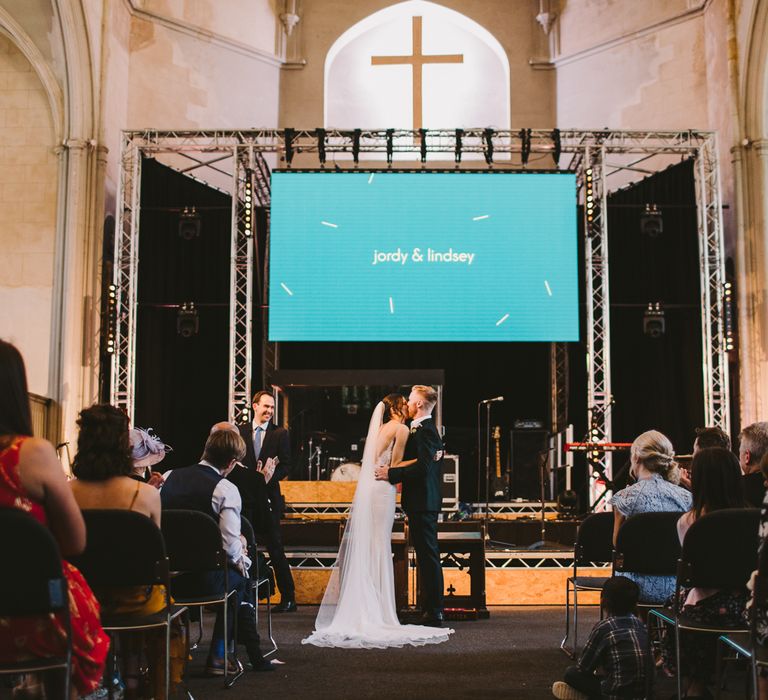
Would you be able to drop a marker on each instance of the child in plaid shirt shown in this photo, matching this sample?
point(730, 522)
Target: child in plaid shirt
point(618, 644)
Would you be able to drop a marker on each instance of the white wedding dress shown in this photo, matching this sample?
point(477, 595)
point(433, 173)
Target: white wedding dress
point(358, 608)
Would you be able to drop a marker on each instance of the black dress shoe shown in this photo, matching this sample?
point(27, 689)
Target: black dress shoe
point(286, 606)
point(435, 619)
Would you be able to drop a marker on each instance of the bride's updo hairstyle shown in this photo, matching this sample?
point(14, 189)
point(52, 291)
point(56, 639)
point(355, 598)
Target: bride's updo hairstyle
point(654, 451)
point(394, 405)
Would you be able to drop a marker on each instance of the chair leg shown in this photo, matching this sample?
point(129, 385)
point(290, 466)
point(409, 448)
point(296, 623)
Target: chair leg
point(718, 668)
point(269, 629)
point(575, 620)
point(226, 640)
point(168, 658)
point(754, 673)
point(677, 660)
point(564, 642)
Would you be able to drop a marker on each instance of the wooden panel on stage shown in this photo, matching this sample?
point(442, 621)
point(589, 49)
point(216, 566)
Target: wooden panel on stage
point(318, 491)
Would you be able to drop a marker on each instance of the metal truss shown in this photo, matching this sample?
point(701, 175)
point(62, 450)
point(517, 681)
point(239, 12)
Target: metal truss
point(241, 287)
point(322, 558)
point(513, 508)
point(558, 380)
point(712, 270)
point(595, 200)
point(233, 160)
point(123, 369)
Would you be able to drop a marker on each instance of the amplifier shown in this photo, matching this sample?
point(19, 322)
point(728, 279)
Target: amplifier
point(450, 482)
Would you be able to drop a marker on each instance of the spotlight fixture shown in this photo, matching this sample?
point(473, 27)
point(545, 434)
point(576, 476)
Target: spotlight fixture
point(557, 147)
point(568, 504)
point(423, 144)
point(290, 135)
point(654, 324)
point(390, 146)
point(459, 144)
point(356, 145)
point(488, 150)
point(730, 336)
point(525, 145)
point(248, 226)
point(111, 318)
point(320, 133)
point(651, 222)
point(589, 195)
point(190, 224)
point(187, 321)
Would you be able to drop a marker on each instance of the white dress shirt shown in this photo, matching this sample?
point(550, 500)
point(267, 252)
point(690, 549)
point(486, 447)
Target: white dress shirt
point(418, 421)
point(227, 504)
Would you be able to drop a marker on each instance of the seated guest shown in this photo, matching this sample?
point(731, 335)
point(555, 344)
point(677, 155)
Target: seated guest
point(32, 480)
point(618, 645)
point(656, 490)
point(104, 471)
point(762, 619)
point(203, 487)
point(147, 450)
point(753, 446)
point(716, 485)
point(705, 437)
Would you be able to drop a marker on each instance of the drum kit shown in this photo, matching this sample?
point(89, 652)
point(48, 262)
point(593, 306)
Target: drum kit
point(321, 466)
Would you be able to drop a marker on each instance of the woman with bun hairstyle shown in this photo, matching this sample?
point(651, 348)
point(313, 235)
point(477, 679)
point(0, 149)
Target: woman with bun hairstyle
point(655, 490)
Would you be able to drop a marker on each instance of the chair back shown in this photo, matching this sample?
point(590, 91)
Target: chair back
point(648, 543)
point(246, 530)
point(123, 548)
point(29, 548)
point(720, 549)
point(594, 539)
point(193, 541)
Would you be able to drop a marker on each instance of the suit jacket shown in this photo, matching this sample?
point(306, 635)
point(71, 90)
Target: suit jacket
point(421, 481)
point(276, 443)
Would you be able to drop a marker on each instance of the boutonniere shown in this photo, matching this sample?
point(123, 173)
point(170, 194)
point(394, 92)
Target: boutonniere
point(415, 428)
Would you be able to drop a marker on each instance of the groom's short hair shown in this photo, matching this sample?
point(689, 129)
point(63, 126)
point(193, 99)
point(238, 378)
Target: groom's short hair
point(427, 393)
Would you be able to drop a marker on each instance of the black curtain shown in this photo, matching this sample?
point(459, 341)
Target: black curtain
point(181, 383)
point(657, 382)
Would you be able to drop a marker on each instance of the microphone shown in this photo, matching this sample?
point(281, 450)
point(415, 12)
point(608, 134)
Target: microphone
point(493, 400)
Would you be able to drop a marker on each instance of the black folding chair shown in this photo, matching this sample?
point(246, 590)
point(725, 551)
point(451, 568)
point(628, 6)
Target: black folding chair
point(748, 644)
point(31, 548)
point(648, 544)
point(719, 551)
point(259, 579)
point(594, 544)
point(194, 546)
point(125, 548)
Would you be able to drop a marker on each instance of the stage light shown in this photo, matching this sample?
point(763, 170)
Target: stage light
point(654, 324)
point(356, 145)
point(187, 321)
point(589, 195)
point(390, 145)
point(730, 336)
point(488, 150)
point(190, 224)
point(248, 199)
point(459, 144)
point(568, 504)
point(320, 133)
point(289, 135)
point(525, 145)
point(651, 222)
point(557, 147)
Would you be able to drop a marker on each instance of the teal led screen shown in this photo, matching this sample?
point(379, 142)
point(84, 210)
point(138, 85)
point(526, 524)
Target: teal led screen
point(423, 256)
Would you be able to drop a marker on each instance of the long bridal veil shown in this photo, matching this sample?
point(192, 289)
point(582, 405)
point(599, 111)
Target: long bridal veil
point(358, 608)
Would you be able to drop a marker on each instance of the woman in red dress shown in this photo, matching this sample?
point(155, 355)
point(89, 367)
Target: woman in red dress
point(32, 480)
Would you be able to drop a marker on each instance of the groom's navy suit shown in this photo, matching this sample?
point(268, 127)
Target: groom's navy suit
point(421, 500)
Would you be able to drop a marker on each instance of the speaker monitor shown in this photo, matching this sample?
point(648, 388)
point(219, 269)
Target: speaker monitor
point(449, 484)
point(527, 447)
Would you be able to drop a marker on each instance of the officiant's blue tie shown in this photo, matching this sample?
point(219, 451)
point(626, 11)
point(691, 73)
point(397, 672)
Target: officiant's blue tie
point(257, 443)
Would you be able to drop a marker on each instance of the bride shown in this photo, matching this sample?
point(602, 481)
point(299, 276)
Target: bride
point(358, 608)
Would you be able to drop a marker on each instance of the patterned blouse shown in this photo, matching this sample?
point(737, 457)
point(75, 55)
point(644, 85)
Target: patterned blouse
point(652, 495)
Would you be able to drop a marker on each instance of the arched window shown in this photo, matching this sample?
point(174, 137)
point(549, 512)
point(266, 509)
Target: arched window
point(416, 64)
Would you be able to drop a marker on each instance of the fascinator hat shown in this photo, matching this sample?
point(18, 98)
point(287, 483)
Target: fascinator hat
point(146, 448)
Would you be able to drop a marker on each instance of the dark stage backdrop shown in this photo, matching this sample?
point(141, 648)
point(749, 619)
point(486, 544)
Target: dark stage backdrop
point(657, 382)
point(181, 387)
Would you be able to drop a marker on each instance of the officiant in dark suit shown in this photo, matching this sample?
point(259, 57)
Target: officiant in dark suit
point(265, 441)
point(420, 473)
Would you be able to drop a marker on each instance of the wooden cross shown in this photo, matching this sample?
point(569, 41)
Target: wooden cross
point(417, 60)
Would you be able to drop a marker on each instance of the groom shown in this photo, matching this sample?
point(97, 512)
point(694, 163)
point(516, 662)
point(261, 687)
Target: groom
point(420, 474)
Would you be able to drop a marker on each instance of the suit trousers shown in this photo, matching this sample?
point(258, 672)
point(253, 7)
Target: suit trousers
point(423, 528)
point(273, 541)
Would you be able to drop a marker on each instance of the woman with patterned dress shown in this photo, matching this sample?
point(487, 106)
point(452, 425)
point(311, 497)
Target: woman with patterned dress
point(716, 485)
point(32, 480)
point(655, 491)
